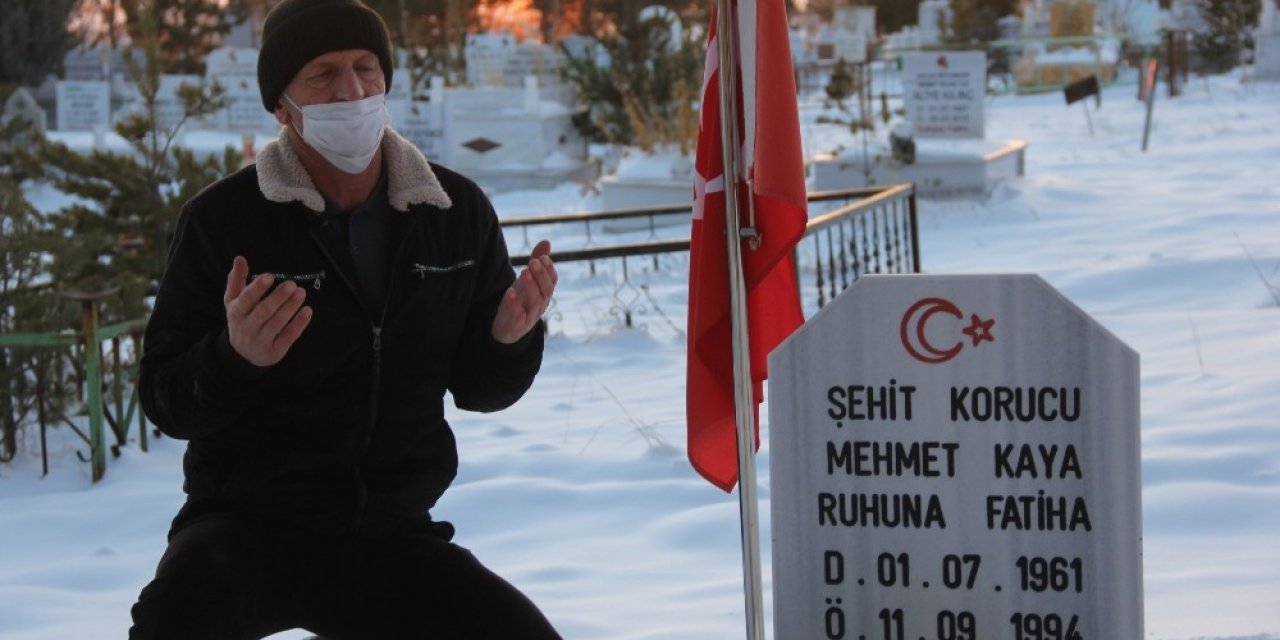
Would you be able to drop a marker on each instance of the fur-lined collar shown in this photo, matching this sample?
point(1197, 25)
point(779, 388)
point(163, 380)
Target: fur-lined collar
point(282, 178)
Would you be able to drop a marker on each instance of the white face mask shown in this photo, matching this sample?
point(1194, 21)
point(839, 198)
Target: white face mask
point(347, 134)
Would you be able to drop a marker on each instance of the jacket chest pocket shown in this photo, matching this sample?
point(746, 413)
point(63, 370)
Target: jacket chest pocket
point(423, 270)
point(314, 280)
point(438, 294)
point(329, 348)
point(324, 291)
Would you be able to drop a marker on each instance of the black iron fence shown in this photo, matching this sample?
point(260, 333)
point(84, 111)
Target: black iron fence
point(873, 231)
point(870, 230)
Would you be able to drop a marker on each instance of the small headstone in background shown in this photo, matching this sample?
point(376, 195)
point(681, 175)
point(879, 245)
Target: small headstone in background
point(21, 104)
point(169, 107)
point(945, 93)
point(1266, 56)
point(244, 112)
point(83, 105)
point(231, 61)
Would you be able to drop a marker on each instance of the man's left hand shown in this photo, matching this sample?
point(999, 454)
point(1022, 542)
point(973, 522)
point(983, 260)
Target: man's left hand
point(528, 297)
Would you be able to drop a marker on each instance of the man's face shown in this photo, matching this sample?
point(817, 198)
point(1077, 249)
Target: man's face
point(337, 76)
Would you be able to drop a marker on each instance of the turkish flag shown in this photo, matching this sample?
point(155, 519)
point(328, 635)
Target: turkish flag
point(772, 186)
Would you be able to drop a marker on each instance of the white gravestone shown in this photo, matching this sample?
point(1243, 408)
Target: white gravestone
point(83, 105)
point(402, 86)
point(235, 69)
point(169, 108)
point(955, 457)
point(857, 19)
point(83, 63)
point(1266, 38)
point(935, 18)
point(944, 93)
point(423, 121)
point(22, 105)
point(498, 60)
point(244, 112)
point(487, 55)
point(95, 63)
point(231, 61)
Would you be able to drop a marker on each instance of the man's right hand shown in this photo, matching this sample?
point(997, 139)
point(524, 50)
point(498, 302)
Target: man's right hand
point(263, 326)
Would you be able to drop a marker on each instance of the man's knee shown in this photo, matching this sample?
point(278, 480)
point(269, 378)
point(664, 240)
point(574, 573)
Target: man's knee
point(200, 584)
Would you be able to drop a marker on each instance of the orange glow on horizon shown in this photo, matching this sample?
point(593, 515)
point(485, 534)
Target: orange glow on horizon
point(518, 17)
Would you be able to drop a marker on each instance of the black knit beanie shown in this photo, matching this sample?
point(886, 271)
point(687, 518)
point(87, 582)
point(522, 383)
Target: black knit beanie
point(296, 31)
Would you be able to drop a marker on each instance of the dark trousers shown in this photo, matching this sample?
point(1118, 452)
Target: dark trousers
point(225, 579)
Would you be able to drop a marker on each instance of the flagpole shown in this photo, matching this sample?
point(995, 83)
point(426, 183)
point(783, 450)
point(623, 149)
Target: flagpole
point(744, 408)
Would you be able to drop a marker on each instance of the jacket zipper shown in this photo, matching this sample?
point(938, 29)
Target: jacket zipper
point(362, 488)
point(301, 279)
point(375, 383)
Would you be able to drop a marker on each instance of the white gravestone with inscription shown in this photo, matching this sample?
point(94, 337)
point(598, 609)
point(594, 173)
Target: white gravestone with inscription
point(955, 458)
point(83, 105)
point(422, 122)
point(944, 92)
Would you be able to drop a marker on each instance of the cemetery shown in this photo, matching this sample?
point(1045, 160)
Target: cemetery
point(1025, 400)
point(510, 122)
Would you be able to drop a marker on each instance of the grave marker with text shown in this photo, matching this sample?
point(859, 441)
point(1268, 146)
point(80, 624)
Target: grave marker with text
point(944, 93)
point(955, 458)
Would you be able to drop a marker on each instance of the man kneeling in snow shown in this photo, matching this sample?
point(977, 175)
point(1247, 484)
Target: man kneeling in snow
point(314, 311)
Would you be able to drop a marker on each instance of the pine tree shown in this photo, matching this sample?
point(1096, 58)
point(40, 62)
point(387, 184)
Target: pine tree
point(893, 15)
point(115, 237)
point(27, 303)
point(974, 21)
point(36, 40)
point(841, 85)
point(1228, 32)
point(644, 96)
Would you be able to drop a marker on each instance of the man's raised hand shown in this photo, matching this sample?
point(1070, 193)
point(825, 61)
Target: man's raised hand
point(263, 326)
point(528, 297)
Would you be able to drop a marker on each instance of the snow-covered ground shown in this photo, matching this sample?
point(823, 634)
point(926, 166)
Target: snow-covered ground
point(582, 496)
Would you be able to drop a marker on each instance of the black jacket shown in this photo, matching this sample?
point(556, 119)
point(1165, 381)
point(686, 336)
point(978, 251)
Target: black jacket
point(347, 433)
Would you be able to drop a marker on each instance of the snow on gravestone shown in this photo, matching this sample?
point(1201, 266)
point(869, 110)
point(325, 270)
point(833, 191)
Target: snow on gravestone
point(955, 458)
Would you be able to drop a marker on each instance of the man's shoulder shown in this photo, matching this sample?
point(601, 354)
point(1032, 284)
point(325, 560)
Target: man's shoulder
point(467, 200)
point(448, 177)
point(457, 185)
point(234, 187)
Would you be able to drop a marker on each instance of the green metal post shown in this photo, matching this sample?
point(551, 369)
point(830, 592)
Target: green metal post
point(142, 416)
point(93, 376)
point(93, 387)
point(117, 393)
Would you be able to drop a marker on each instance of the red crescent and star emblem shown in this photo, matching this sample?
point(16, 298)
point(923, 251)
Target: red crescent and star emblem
point(912, 330)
